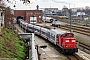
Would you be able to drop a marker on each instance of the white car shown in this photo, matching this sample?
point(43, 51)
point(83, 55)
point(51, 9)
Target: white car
point(56, 23)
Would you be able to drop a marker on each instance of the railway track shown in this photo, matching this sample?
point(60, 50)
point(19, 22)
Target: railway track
point(79, 29)
point(84, 47)
point(74, 57)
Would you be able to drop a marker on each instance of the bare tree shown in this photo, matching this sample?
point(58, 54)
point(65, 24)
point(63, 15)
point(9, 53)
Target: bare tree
point(2, 3)
point(87, 7)
point(87, 10)
point(24, 1)
point(8, 18)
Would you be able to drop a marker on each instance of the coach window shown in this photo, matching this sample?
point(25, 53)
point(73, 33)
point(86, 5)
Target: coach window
point(43, 32)
point(48, 34)
point(29, 27)
point(35, 29)
point(52, 36)
point(38, 30)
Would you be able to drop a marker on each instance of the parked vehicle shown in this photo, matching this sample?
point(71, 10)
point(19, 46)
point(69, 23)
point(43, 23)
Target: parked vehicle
point(56, 23)
point(47, 19)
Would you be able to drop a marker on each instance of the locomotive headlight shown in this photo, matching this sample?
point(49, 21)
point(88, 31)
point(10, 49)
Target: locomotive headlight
point(66, 46)
point(67, 41)
point(73, 40)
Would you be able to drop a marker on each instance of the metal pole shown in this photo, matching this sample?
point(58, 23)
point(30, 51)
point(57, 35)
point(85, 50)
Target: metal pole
point(45, 19)
point(70, 22)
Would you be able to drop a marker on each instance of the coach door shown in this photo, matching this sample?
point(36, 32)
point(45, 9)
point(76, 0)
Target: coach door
point(33, 19)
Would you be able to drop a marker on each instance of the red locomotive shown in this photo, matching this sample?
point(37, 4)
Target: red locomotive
point(65, 40)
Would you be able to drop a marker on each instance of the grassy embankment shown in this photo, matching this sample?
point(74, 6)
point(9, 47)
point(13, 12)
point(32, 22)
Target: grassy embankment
point(11, 46)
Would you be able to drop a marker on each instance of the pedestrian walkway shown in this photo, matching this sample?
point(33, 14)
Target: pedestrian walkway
point(18, 28)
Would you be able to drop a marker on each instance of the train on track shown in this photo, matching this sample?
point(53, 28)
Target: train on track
point(65, 40)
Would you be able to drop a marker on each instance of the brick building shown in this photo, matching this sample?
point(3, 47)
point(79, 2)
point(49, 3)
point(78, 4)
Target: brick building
point(31, 16)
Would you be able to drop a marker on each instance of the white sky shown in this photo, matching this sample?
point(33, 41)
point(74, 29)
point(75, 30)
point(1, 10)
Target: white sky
point(49, 3)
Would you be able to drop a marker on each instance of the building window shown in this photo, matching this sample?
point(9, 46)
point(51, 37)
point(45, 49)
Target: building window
point(33, 19)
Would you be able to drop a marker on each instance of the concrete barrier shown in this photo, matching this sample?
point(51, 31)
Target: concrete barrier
point(32, 50)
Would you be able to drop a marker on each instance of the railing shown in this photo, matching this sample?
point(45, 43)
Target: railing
point(31, 43)
point(34, 55)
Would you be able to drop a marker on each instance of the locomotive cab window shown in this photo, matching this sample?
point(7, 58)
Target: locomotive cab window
point(70, 35)
point(65, 35)
point(57, 36)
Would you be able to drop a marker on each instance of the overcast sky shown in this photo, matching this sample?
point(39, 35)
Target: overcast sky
point(49, 4)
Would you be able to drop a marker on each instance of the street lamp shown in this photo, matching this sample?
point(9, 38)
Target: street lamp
point(44, 18)
point(70, 18)
point(70, 21)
